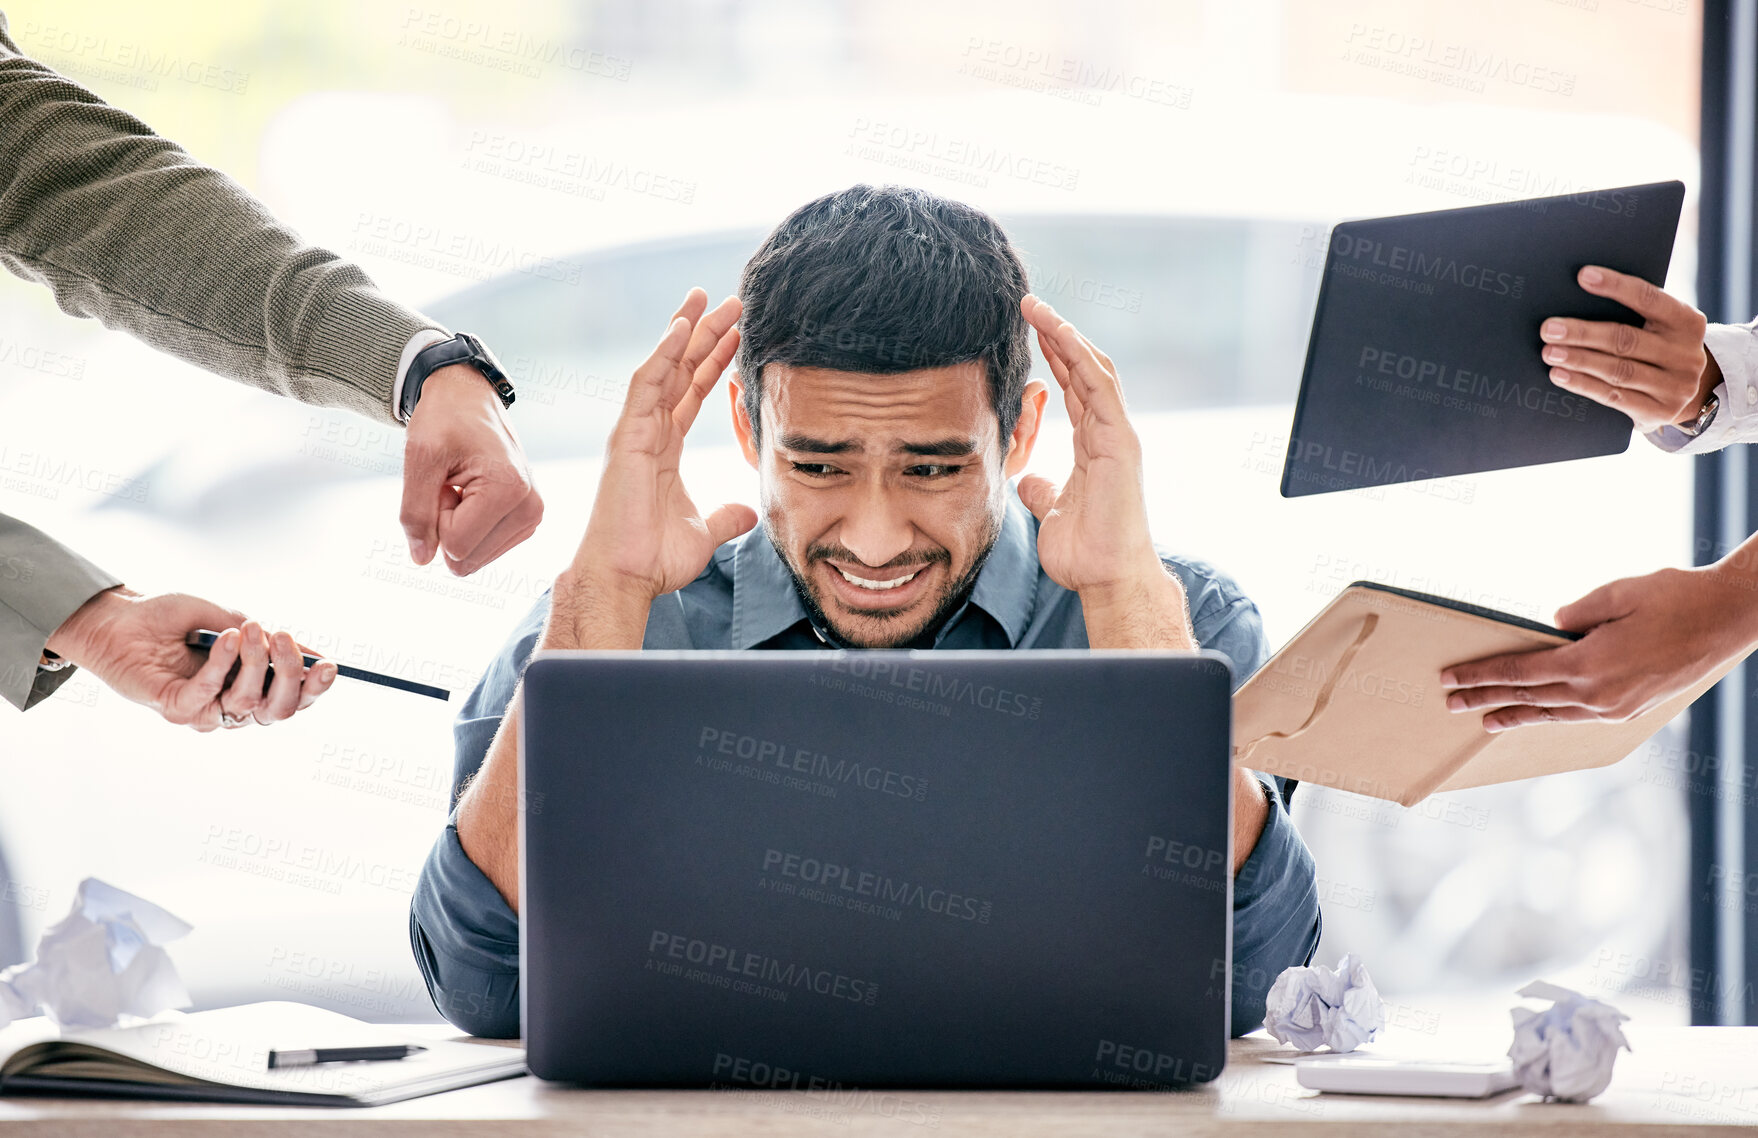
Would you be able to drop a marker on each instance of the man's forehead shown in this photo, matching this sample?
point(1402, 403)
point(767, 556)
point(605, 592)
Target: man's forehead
point(926, 411)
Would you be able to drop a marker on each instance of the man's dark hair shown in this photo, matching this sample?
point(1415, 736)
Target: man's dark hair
point(886, 279)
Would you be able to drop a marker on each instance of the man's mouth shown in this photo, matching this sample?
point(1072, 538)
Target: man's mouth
point(877, 585)
point(878, 592)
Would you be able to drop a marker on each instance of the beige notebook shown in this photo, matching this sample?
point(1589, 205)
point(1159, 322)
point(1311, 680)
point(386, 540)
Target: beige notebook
point(1355, 702)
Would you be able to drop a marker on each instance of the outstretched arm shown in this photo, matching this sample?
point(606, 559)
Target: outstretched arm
point(125, 227)
point(57, 611)
point(1647, 639)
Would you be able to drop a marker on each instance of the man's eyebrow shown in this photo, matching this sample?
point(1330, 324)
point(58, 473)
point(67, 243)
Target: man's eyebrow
point(939, 448)
point(808, 445)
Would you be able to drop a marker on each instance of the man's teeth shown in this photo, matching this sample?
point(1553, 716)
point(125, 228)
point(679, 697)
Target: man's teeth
point(876, 585)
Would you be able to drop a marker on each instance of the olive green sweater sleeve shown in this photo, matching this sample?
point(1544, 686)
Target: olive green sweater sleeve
point(125, 226)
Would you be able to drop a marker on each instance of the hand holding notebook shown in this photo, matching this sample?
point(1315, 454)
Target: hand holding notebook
point(1354, 701)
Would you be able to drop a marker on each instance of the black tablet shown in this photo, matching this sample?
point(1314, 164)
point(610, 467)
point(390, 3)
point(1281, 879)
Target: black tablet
point(1423, 360)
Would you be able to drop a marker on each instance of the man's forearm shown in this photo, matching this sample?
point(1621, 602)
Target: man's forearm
point(1153, 614)
point(1739, 568)
point(597, 615)
point(488, 811)
point(582, 615)
point(1145, 613)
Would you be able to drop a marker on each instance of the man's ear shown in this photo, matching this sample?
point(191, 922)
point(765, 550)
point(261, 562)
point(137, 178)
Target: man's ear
point(1025, 430)
point(741, 422)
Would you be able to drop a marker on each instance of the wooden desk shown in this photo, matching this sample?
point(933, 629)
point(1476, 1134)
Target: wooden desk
point(1677, 1081)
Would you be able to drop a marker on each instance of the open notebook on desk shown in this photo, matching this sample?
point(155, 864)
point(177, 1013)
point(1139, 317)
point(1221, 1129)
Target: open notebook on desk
point(222, 1056)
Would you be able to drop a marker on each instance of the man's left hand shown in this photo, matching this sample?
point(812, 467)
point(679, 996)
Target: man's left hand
point(467, 491)
point(1093, 533)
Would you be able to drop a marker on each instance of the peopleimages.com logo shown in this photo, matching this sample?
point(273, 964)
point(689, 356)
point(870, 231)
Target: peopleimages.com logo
point(834, 875)
point(815, 764)
point(726, 963)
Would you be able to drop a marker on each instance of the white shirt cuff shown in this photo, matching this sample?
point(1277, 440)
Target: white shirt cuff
point(422, 340)
point(1736, 419)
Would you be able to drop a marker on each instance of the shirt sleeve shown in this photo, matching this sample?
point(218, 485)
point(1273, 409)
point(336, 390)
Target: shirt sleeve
point(1735, 348)
point(464, 934)
point(466, 942)
point(1276, 919)
point(418, 343)
point(1223, 618)
point(124, 226)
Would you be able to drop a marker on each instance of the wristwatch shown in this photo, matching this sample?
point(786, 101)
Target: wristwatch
point(460, 349)
point(1704, 417)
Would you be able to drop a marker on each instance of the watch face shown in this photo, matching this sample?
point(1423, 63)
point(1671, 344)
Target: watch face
point(1704, 417)
point(491, 370)
point(489, 358)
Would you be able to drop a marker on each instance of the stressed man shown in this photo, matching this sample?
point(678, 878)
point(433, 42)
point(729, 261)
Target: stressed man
point(882, 395)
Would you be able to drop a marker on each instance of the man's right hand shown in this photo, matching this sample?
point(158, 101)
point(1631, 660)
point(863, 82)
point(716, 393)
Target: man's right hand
point(646, 537)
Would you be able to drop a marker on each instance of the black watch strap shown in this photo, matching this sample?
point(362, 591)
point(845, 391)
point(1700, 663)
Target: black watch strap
point(460, 349)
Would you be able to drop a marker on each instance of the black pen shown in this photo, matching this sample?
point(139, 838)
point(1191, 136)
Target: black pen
point(340, 1055)
point(205, 638)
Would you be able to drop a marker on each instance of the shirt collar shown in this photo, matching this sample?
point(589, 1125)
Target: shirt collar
point(765, 603)
point(1007, 588)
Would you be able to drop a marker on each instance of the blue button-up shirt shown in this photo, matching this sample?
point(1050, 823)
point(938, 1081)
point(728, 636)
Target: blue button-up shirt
point(466, 937)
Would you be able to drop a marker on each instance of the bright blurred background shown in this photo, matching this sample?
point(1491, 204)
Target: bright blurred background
point(554, 174)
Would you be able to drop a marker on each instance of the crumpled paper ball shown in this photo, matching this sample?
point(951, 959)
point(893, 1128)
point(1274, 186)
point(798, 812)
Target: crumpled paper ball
point(104, 960)
point(1339, 1008)
point(1566, 1052)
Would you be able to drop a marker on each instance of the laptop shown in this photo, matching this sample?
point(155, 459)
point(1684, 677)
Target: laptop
point(1423, 360)
point(799, 870)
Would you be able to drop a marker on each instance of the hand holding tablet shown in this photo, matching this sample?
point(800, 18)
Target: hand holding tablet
point(1424, 360)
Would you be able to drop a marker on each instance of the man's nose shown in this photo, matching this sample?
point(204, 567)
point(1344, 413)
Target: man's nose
point(876, 530)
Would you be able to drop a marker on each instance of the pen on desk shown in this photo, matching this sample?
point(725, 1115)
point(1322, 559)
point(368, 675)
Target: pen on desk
point(340, 1055)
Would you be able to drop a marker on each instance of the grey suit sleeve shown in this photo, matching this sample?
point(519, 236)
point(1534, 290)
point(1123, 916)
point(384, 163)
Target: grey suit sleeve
point(126, 227)
point(41, 584)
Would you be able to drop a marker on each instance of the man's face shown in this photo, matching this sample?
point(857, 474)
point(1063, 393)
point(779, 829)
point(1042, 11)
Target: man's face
point(883, 493)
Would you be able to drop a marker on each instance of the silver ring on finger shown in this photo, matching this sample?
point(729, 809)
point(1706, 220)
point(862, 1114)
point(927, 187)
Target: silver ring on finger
point(231, 721)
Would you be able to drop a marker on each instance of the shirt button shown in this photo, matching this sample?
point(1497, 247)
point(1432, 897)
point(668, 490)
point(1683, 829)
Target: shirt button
point(1751, 394)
